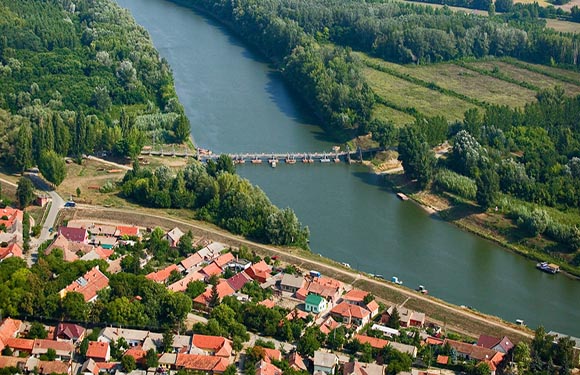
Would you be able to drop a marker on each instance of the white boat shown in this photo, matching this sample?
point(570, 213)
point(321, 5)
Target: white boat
point(396, 280)
point(345, 264)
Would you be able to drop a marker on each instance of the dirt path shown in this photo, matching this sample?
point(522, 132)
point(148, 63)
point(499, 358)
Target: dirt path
point(113, 164)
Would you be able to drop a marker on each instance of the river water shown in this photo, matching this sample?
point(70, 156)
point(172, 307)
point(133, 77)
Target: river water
point(236, 103)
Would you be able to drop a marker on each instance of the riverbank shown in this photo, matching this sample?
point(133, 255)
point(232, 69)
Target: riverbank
point(449, 316)
point(469, 217)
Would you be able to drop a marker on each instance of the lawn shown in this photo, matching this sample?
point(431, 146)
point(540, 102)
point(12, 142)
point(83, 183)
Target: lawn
point(398, 118)
point(405, 94)
point(520, 74)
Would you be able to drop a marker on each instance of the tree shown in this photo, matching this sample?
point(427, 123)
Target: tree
point(24, 192)
point(78, 191)
point(230, 370)
point(225, 163)
point(417, 158)
point(185, 244)
point(181, 128)
point(487, 182)
point(167, 343)
point(394, 319)
point(84, 347)
point(309, 342)
point(214, 297)
point(195, 288)
point(522, 357)
point(23, 149)
point(37, 331)
point(74, 306)
point(151, 359)
point(52, 167)
point(51, 354)
point(128, 363)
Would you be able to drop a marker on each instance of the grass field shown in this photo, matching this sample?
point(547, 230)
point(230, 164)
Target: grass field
point(396, 117)
point(541, 80)
point(405, 94)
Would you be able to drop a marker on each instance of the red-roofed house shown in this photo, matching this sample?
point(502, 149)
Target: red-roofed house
point(360, 368)
point(137, 353)
point(69, 332)
point(272, 354)
point(99, 351)
point(19, 345)
point(434, 341)
point(224, 259)
point(211, 270)
point(373, 307)
point(474, 352)
point(266, 368)
point(12, 250)
point(162, 276)
point(34, 365)
point(238, 281)
point(442, 359)
point(173, 236)
point(296, 362)
point(181, 285)
point(205, 363)
point(8, 329)
point(64, 350)
point(328, 325)
point(88, 285)
point(191, 261)
point(373, 341)
point(407, 318)
point(355, 297)
point(502, 345)
point(74, 234)
point(350, 314)
point(325, 287)
point(211, 345)
point(223, 289)
point(268, 303)
point(259, 271)
point(129, 231)
point(11, 219)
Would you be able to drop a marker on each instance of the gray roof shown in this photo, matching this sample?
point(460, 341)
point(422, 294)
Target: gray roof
point(293, 281)
point(324, 359)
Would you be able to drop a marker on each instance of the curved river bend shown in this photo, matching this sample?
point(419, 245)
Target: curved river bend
point(236, 103)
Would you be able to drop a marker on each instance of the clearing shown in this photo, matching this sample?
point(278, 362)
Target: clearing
point(398, 118)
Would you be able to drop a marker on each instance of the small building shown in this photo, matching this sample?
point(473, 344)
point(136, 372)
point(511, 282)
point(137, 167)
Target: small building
point(12, 250)
point(355, 297)
point(42, 200)
point(372, 341)
point(328, 325)
point(88, 285)
point(211, 345)
point(223, 290)
point(292, 283)
point(105, 242)
point(266, 368)
point(162, 276)
point(325, 362)
point(173, 236)
point(211, 269)
point(224, 259)
point(69, 332)
point(387, 331)
point(360, 368)
point(239, 265)
point(296, 362)
point(127, 231)
point(74, 234)
point(99, 351)
point(181, 285)
point(350, 314)
point(203, 363)
point(407, 318)
point(503, 345)
point(259, 271)
point(19, 346)
point(238, 281)
point(404, 348)
point(64, 350)
point(315, 304)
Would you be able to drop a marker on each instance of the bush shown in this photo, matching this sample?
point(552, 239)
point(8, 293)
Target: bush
point(455, 183)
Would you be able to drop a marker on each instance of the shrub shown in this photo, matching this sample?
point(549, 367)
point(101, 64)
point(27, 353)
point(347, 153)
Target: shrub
point(455, 183)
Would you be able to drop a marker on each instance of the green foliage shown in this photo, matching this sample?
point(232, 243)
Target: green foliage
point(195, 288)
point(74, 307)
point(417, 157)
point(310, 341)
point(37, 331)
point(25, 192)
point(128, 363)
point(455, 183)
point(151, 359)
point(52, 167)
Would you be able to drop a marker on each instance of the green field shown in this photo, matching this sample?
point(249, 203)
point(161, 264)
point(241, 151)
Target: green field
point(396, 117)
point(405, 94)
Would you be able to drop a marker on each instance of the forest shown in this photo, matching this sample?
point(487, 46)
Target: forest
point(80, 77)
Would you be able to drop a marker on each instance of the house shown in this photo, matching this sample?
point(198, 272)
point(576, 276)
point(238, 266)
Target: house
point(325, 362)
point(16, 362)
point(36, 366)
point(74, 234)
point(167, 361)
point(181, 285)
point(181, 343)
point(105, 242)
point(69, 249)
point(9, 329)
point(259, 271)
point(19, 346)
point(205, 363)
point(64, 350)
point(102, 230)
point(223, 289)
point(224, 259)
point(211, 345)
point(42, 200)
point(12, 250)
point(502, 345)
point(430, 371)
point(88, 285)
point(359, 368)
point(350, 314)
point(239, 265)
point(99, 351)
point(474, 352)
point(134, 337)
point(407, 318)
point(162, 276)
point(91, 367)
point(69, 332)
point(355, 297)
point(266, 368)
point(296, 362)
point(11, 220)
point(98, 253)
point(238, 281)
point(373, 308)
point(442, 359)
point(404, 348)
point(387, 331)
point(373, 341)
point(325, 287)
point(137, 352)
point(127, 231)
point(328, 325)
point(268, 303)
point(315, 304)
point(173, 236)
point(191, 262)
point(211, 269)
point(292, 283)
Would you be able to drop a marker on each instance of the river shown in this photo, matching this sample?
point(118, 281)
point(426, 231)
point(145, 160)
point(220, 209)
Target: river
point(236, 103)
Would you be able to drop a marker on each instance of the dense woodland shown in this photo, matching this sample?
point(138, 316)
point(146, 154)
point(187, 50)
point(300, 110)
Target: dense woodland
point(79, 77)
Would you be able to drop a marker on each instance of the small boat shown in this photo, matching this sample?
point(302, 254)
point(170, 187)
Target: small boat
point(520, 322)
point(257, 161)
point(421, 289)
point(325, 159)
point(345, 264)
point(396, 280)
point(290, 160)
point(336, 160)
point(402, 197)
point(548, 267)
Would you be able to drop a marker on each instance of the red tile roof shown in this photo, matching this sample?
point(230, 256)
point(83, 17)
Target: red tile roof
point(98, 350)
point(296, 314)
point(162, 276)
point(220, 346)
point(8, 329)
point(13, 250)
point(88, 285)
point(272, 354)
point(223, 289)
point(52, 367)
point(355, 295)
point(328, 281)
point(265, 368)
point(69, 331)
point(12, 215)
point(238, 281)
point(192, 261)
point(373, 307)
point(442, 359)
point(268, 303)
point(20, 344)
point(259, 271)
point(74, 234)
point(328, 325)
point(62, 346)
point(212, 269)
point(490, 342)
point(375, 342)
point(475, 352)
point(434, 341)
point(11, 361)
point(136, 352)
point(130, 231)
point(296, 361)
point(201, 362)
point(347, 310)
point(224, 259)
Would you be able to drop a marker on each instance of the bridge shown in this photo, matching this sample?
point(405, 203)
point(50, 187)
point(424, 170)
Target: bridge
point(335, 156)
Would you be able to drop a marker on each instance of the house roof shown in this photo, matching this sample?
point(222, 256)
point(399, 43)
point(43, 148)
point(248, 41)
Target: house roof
point(211, 269)
point(73, 234)
point(98, 350)
point(385, 330)
point(442, 359)
point(292, 281)
point(221, 346)
point(238, 281)
point(41, 346)
point(113, 334)
point(490, 342)
point(6, 361)
point(105, 240)
point(201, 362)
point(98, 253)
point(69, 331)
point(313, 299)
point(259, 270)
point(136, 352)
point(223, 289)
point(268, 303)
point(88, 285)
point(324, 359)
point(359, 368)
point(162, 275)
point(406, 315)
point(181, 285)
point(266, 368)
point(434, 341)
point(130, 231)
point(20, 344)
point(328, 281)
point(404, 348)
point(175, 234)
point(296, 361)
point(347, 310)
point(11, 250)
point(216, 247)
point(192, 261)
point(328, 325)
point(224, 259)
point(355, 295)
point(12, 215)
point(475, 352)
point(9, 328)
point(102, 230)
point(47, 367)
point(325, 290)
point(296, 314)
point(373, 307)
point(69, 254)
point(373, 341)
point(272, 354)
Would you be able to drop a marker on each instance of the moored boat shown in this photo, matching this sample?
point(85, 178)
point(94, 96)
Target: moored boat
point(402, 197)
point(548, 267)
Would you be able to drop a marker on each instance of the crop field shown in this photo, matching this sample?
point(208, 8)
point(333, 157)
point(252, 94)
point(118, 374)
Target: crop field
point(404, 94)
point(398, 118)
point(520, 74)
